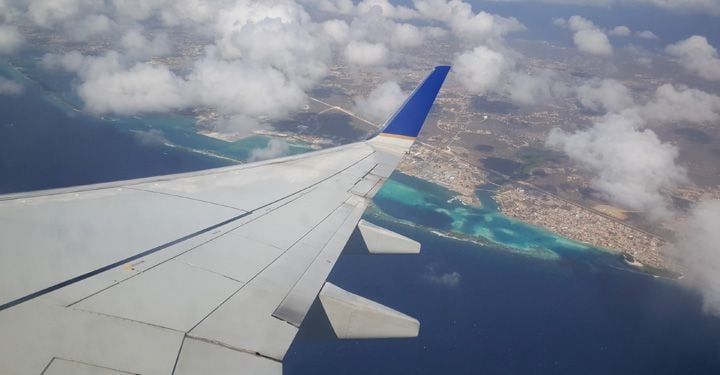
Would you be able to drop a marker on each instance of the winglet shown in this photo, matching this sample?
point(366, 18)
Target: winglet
point(408, 120)
point(355, 317)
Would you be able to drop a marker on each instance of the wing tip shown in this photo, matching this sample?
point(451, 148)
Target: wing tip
point(410, 117)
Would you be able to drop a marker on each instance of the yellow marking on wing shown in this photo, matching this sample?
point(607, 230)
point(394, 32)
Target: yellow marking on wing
point(397, 136)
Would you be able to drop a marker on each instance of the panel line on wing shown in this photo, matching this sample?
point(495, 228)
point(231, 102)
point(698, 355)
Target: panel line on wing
point(108, 267)
point(163, 178)
point(266, 267)
point(53, 359)
point(324, 245)
point(116, 264)
point(182, 196)
point(299, 195)
point(226, 346)
point(106, 315)
point(297, 300)
point(185, 336)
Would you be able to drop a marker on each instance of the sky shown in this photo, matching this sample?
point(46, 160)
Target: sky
point(258, 60)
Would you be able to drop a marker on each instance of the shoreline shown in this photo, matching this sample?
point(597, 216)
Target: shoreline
point(463, 199)
point(539, 253)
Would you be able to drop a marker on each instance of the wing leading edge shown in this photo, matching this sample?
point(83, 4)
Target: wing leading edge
point(211, 271)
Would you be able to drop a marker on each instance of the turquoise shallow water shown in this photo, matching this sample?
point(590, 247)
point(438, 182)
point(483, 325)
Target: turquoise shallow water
point(406, 198)
point(177, 130)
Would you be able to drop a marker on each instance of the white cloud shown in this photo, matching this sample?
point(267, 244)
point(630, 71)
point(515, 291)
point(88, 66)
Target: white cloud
point(372, 27)
point(139, 47)
point(697, 248)
point(44, 13)
point(72, 61)
point(478, 28)
point(150, 137)
point(238, 124)
point(540, 87)
point(406, 35)
point(696, 55)
point(280, 35)
point(481, 70)
point(560, 22)
point(671, 104)
point(275, 49)
point(343, 7)
point(10, 39)
point(380, 103)
point(275, 148)
point(141, 88)
point(577, 23)
point(263, 56)
point(338, 30)
point(255, 90)
point(632, 167)
point(606, 95)
point(387, 9)
point(364, 53)
point(646, 34)
point(109, 86)
point(593, 41)
point(177, 12)
point(91, 26)
point(620, 31)
point(4, 10)
point(587, 37)
point(8, 87)
point(484, 70)
point(447, 280)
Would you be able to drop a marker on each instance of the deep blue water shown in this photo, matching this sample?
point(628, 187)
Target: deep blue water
point(46, 140)
point(44, 144)
point(44, 147)
point(501, 312)
point(514, 314)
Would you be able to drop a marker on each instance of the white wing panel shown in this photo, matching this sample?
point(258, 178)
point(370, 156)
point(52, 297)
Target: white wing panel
point(245, 323)
point(283, 227)
point(34, 336)
point(252, 186)
point(199, 357)
point(232, 255)
point(173, 295)
point(297, 302)
point(65, 367)
point(250, 326)
point(46, 240)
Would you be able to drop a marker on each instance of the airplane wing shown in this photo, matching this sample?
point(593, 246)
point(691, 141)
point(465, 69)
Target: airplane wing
point(209, 272)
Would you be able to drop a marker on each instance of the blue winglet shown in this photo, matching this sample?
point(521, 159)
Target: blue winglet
point(409, 119)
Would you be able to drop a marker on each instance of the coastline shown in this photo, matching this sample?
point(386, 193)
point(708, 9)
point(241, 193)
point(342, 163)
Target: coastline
point(178, 131)
point(485, 235)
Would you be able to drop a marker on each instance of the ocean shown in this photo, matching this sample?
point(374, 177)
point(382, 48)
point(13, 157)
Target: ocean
point(489, 309)
point(502, 297)
point(48, 141)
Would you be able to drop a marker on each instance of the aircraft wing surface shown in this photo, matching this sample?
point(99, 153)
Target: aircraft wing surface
point(207, 272)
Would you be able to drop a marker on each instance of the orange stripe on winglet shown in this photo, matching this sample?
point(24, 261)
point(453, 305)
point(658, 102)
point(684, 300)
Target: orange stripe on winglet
point(397, 136)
